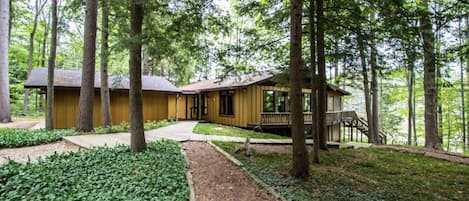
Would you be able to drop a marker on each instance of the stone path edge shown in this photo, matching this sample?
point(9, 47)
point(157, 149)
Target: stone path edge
point(190, 182)
point(258, 181)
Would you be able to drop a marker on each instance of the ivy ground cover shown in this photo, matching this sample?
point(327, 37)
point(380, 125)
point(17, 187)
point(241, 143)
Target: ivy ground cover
point(100, 174)
point(360, 174)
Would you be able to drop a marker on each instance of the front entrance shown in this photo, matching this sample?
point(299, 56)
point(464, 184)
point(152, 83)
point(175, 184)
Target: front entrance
point(195, 107)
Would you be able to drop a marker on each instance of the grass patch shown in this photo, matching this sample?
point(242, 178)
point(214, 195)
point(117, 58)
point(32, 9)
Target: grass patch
point(15, 137)
point(100, 174)
point(361, 174)
point(218, 129)
point(125, 127)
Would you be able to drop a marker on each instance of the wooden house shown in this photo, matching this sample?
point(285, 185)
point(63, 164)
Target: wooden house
point(156, 94)
point(254, 101)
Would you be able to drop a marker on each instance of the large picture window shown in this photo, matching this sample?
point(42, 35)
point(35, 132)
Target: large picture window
point(306, 102)
point(269, 101)
point(276, 101)
point(227, 102)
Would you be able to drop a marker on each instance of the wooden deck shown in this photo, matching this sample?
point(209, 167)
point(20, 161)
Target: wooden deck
point(283, 119)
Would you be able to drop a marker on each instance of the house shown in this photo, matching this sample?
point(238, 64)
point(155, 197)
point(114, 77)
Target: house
point(254, 101)
point(157, 92)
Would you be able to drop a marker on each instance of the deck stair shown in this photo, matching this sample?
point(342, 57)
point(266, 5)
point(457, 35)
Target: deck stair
point(351, 120)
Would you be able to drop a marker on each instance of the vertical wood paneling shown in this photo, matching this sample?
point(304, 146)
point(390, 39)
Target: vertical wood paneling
point(155, 107)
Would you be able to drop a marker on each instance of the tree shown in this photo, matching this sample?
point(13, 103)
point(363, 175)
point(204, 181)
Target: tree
point(51, 67)
point(314, 91)
point(432, 139)
point(5, 115)
point(85, 107)
point(38, 6)
point(300, 168)
point(137, 139)
point(366, 88)
point(322, 95)
point(105, 97)
point(374, 87)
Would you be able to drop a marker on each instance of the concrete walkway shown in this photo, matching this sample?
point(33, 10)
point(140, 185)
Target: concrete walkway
point(181, 131)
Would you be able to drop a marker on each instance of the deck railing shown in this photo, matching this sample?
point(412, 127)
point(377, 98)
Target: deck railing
point(285, 118)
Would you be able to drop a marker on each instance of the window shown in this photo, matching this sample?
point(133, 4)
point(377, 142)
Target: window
point(306, 102)
point(330, 103)
point(276, 101)
point(227, 102)
point(281, 101)
point(269, 101)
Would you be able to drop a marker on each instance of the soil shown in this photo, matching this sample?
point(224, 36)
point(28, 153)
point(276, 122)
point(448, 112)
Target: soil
point(23, 154)
point(217, 178)
point(443, 155)
point(26, 124)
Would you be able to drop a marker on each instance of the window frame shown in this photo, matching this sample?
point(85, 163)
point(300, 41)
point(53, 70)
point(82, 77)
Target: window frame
point(224, 97)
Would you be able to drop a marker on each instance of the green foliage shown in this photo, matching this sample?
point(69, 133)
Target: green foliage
point(100, 174)
point(14, 137)
point(218, 129)
point(361, 174)
point(125, 127)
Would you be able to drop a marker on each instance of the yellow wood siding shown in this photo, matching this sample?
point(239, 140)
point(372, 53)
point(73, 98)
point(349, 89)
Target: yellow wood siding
point(155, 107)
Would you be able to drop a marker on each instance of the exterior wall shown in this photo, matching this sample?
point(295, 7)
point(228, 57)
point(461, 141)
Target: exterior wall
point(241, 108)
point(183, 99)
point(155, 107)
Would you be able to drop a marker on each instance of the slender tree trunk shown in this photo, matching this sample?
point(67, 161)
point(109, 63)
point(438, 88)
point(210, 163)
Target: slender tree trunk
point(300, 168)
point(146, 61)
point(374, 91)
point(366, 90)
point(414, 125)
point(410, 87)
point(5, 115)
point(467, 72)
point(137, 139)
point(314, 90)
point(85, 111)
point(44, 42)
point(432, 139)
point(461, 65)
point(105, 97)
point(322, 95)
point(51, 67)
point(38, 8)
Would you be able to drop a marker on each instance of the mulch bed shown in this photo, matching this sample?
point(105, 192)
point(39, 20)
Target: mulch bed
point(217, 178)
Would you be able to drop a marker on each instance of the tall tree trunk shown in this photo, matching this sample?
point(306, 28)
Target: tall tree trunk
point(374, 90)
point(432, 139)
point(461, 65)
point(146, 61)
point(105, 97)
point(137, 140)
point(314, 90)
point(51, 67)
point(10, 19)
point(410, 87)
point(37, 8)
point(366, 89)
point(5, 115)
point(85, 111)
point(44, 41)
point(322, 95)
point(467, 71)
point(300, 168)
point(414, 125)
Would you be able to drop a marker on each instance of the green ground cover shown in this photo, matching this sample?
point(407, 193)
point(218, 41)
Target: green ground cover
point(361, 174)
point(15, 137)
point(218, 129)
point(100, 174)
